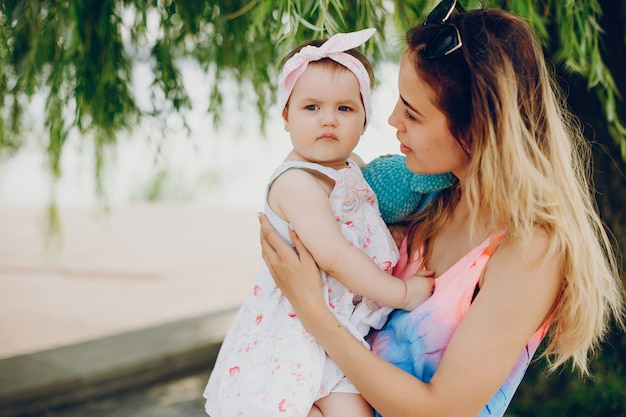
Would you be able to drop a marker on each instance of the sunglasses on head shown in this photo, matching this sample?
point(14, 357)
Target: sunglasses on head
point(446, 38)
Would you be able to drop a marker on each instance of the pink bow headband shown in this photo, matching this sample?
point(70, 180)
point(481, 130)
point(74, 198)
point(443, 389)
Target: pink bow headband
point(334, 48)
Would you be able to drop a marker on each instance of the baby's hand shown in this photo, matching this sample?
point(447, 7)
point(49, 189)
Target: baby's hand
point(419, 288)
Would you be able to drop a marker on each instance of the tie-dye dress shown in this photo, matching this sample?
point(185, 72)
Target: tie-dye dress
point(269, 365)
point(416, 341)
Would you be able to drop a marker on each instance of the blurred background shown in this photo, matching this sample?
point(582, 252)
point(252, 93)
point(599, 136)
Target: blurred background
point(136, 138)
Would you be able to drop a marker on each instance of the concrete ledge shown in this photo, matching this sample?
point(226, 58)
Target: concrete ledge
point(33, 383)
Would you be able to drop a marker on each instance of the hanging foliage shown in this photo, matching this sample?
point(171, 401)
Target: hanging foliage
point(80, 56)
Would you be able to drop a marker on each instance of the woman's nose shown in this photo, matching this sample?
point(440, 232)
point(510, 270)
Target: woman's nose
point(394, 118)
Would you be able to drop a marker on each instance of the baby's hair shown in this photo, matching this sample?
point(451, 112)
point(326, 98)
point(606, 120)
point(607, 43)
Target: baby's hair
point(329, 62)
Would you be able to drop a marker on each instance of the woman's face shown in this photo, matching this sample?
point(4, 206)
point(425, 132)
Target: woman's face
point(422, 128)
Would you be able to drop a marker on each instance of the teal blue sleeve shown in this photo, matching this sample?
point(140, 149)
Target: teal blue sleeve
point(401, 192)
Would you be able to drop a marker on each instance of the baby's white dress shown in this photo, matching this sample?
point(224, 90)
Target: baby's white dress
point(269, 365)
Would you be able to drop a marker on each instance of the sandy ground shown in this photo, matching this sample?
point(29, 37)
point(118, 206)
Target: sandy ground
point(135, 267)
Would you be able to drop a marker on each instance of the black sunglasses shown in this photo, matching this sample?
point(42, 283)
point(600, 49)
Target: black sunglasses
point(446, 38)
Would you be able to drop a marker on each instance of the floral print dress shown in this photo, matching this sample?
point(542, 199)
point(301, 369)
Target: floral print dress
point(269, 365)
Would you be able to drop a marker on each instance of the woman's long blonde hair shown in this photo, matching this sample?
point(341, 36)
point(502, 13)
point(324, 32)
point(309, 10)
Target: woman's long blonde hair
point(529, 169)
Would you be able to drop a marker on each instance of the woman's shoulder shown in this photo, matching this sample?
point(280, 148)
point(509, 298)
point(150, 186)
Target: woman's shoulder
point(527, 269)
point(521, 253)
point(532, 248)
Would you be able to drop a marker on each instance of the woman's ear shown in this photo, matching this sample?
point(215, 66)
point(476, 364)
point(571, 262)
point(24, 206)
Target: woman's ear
point(285, 115)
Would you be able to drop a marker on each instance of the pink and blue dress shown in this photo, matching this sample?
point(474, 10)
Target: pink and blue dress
point(416, 341)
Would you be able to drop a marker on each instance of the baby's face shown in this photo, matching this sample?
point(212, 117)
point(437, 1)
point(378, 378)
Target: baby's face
point(325, 116)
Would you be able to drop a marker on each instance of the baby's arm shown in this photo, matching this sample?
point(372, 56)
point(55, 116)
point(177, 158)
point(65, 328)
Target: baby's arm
point(301, 199)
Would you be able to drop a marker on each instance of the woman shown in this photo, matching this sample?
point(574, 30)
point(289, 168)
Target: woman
point(519, 253)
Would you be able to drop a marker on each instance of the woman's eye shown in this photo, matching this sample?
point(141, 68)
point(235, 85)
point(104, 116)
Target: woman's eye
point(408, 115)
point(312, 107)
point(344, 108)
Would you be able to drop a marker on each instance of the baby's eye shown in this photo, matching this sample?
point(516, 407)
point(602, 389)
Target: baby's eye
point(312, 107)
point(344, 108)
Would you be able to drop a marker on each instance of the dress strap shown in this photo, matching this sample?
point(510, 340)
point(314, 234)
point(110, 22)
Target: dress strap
point(332, 173)
point(279, 224)
point(494, 241)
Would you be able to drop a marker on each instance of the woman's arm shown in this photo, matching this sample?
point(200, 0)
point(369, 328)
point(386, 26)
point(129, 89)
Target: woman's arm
point(514, 300)
point(301, 199)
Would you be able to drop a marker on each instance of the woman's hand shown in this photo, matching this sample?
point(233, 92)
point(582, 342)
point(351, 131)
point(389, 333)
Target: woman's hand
point(295, 272)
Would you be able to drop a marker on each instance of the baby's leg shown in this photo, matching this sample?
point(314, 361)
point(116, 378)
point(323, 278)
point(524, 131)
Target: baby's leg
point(341, 404)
